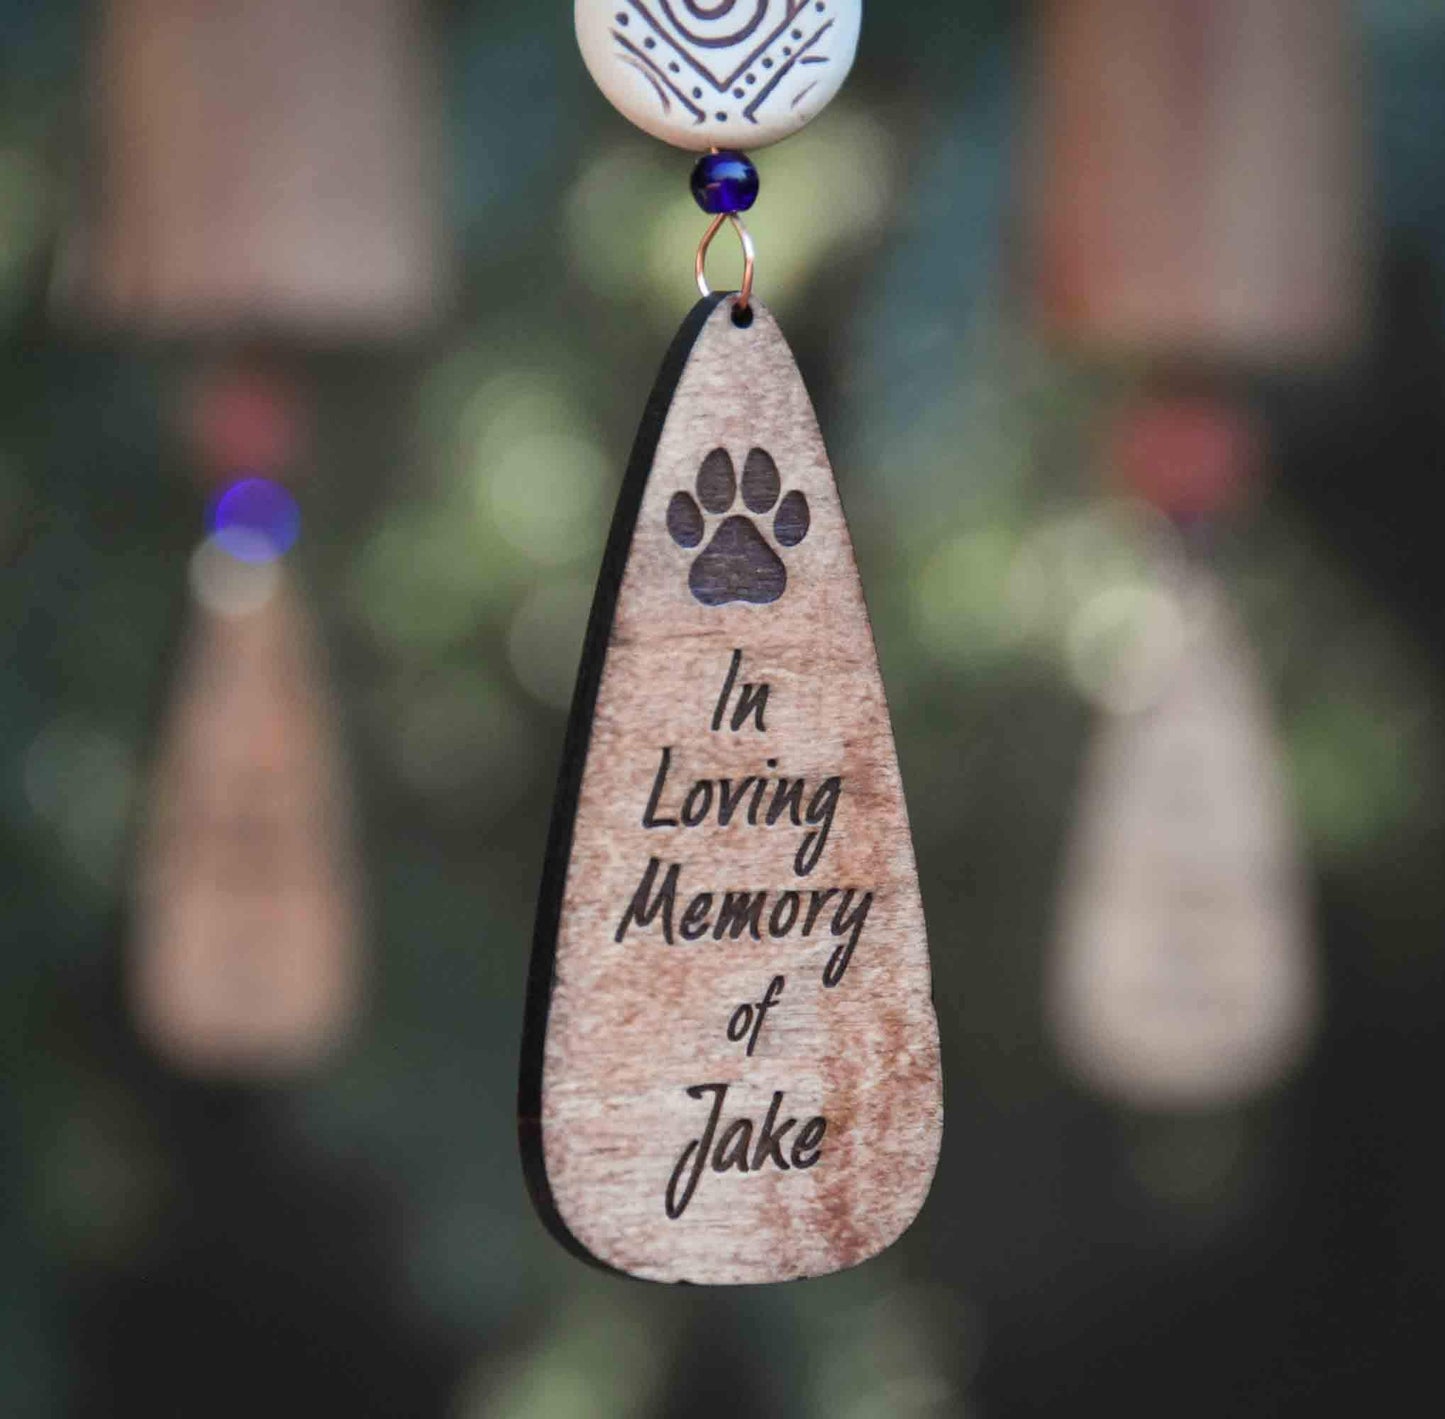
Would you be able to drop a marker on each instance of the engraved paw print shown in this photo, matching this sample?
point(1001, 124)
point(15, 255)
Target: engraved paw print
point(738, 564)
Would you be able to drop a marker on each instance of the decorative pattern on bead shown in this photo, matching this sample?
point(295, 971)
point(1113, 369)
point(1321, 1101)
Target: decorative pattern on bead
point(731, 73)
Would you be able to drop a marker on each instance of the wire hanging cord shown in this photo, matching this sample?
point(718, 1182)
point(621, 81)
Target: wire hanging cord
point(750, 257)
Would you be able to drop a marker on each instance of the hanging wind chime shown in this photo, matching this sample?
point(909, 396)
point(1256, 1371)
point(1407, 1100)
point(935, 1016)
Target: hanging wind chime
point(1184, 973)
point(264, 190)
point(731, 1068)
point(1201, 217)
point(245, 935)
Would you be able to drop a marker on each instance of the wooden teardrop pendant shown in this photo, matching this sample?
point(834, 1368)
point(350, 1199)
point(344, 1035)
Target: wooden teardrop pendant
point(245, 958)
point(1183, 975)
point(730, 1067)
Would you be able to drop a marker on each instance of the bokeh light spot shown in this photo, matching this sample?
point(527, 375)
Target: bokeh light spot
point(545, 640)
point(79, 777)
point(1124, 644)
point(545, 495)
point(229, 585)
point(255, 520)
point(961, 610)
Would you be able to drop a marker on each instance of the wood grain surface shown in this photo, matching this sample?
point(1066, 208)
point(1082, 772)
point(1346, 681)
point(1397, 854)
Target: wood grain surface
point(731, 1068)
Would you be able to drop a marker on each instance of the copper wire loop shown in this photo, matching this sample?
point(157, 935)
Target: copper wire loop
point(750, 257)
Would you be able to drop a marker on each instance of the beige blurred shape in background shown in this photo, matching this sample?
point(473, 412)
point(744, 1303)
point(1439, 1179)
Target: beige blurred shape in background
point(264, 170)
point(1198, 177)
point(1183, 972)
point(245, 958)
point(266, 166)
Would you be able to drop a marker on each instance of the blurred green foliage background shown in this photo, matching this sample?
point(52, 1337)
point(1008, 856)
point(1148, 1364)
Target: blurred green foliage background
point(361, 1242)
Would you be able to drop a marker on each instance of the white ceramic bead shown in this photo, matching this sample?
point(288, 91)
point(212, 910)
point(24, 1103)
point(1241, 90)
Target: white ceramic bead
point(730, 74)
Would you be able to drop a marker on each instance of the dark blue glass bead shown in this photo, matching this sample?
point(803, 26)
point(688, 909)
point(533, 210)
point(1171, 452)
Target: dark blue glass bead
point(255, 520)
point(724, 182)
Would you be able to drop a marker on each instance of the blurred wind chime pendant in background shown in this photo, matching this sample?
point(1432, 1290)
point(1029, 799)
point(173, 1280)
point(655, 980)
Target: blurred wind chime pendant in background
point(730, 1063)
point(244, 953)
point(301, 222)
point(1183, 976)
point(1203, 218)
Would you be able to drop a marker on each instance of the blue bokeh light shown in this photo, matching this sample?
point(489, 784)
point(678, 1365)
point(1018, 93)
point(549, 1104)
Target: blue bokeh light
point(255, 520)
